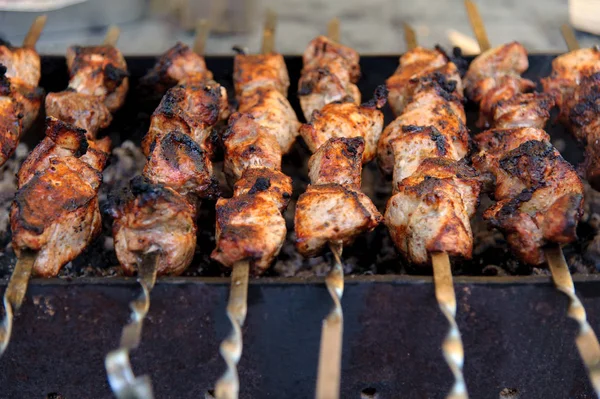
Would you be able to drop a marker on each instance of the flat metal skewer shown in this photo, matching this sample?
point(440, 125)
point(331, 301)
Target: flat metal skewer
point(452, 345)
point(330, 353)
point(123, 382)
point(228, 386)
point(14, 294)
point(35, 31)
point(586, 340)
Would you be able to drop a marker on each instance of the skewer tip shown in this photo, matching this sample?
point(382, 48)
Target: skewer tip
point(202, 33)
point(112, 35)
point(410, 37)
point(333, 29)
point(477, 25)
point(268, 40)
point(35, 31)
point(569, 37)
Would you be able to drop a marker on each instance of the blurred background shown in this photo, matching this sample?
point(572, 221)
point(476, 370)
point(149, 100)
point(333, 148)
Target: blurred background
point(371, 27)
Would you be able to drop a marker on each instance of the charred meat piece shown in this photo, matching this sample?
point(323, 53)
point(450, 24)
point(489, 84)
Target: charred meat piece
point(11, 125)
point(329, 213)
point(431, 210)
point(329, 74)
point(419, 65)
point(250, 225)
point(568, 71)
point(152, 217)
point(63, 140)
point(428, 109)
point(56, 213)
point(177, 162)
point(523, 110)
point(267, 71)
point(193, 109)
point(249, 145)
point(495, 75)
point(347, 120)
point(338, 161)
point(81, 110)
point(99, 71)
point(272, 111)
point(23, 65)
point(175, 66)
point(540, 196)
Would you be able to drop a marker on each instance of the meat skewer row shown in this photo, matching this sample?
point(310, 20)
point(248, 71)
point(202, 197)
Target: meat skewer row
point(333, 211)
point(55, 214)
point(20, 96)
point(329, 73)
point(250, 227)
point(154, 225)
point(575, 86)
point(539, 195)
point(435, 193)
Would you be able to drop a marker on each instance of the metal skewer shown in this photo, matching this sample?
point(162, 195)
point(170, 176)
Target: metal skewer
point(19, 280)
point(586, 340)
point(35, 31)
point(228, 386)
point(569, 35)
point(452, 346)
point(330, 353)
point(14, 294)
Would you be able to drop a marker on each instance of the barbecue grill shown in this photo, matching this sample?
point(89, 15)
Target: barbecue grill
point(517, 338)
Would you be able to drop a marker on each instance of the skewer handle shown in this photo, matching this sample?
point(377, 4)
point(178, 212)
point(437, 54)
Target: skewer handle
point(477, 25)
point(14, 295)
point(268, 40)
point(202, 32)
point(122, 380)
point(452, 345)
point(228, 386)
point(35, 31)
point(587, 342)
point(112, 35)
point(410, 37)
point(569, 36)
point(330, 354)
point(333, 29)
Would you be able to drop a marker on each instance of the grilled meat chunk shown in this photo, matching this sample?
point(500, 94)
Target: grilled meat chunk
point(249, 145)
point(329, 213)
point(99, 71)
point(23, 65)
point(193, 109)
point(250, 225)
point(81, 110)
point(64, 140)
point(431, 210)
point(10, 124)
point(267, 71)
point(416, 67)
point(180, 164)
point(540, 196)
point(56, 213)
point(338, 161)
point(426, 111)
point(153, 217)
point(329, 74)
point(568, 71)
point(495, 75)
point(347, 120)
point(272, 111)
point(523, 110)
point(179, 64)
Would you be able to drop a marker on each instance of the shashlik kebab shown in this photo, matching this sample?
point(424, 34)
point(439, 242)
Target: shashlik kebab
point(575, 86)
point(20, 94)
point(342, 135)
point(55, 214)
point(435, 192)
point(250, 227)
point(539, 195)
